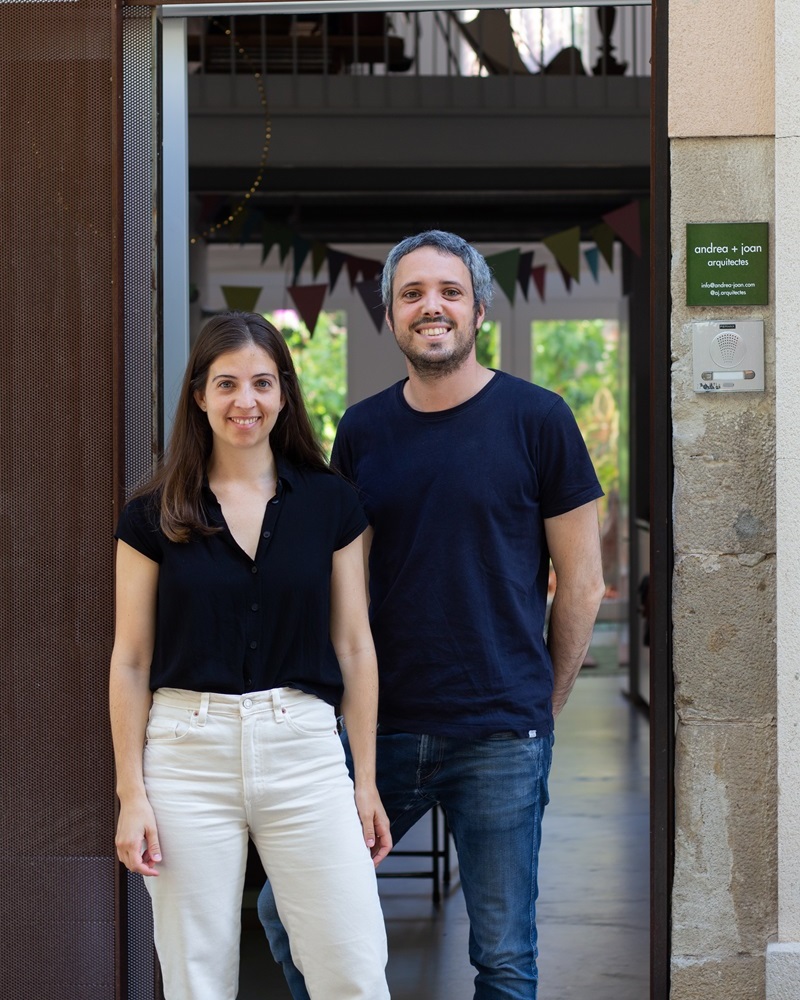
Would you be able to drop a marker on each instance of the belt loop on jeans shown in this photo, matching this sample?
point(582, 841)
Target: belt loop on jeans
point(277, 711)
point(202, 713)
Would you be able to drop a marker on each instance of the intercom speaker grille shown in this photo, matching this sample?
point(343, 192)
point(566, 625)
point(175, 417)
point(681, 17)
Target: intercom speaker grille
point(727, 349)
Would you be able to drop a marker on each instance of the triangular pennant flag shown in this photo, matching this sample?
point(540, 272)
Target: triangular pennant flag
point(565, 275)
point(362, 267)
point(370, 292)
point(272, 233)
point(627, 224)
point(318, 254)
point(524, 272)
point(241, 297)
point(566, 248)
point(300, 248)
point(268, 240)
point(603, 235)
point(308, 299)
point(505, 269)
point(644, 216)
point(353, 269)
point(539, 274)
point(335, 262)
point(285, 241)
point(254, 218)
point(370, 268)
point(592, 256)
point(236, 227)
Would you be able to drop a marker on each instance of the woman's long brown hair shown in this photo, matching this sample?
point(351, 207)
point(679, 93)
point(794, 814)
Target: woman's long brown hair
point(178, 482)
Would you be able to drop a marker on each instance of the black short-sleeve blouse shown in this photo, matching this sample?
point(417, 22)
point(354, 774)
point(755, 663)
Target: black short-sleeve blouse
point(229, 624)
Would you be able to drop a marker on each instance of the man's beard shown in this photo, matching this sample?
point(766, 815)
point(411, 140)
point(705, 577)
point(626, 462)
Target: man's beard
point(432, 366)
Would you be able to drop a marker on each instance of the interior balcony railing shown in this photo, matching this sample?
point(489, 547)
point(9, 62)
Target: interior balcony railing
point(571, 41)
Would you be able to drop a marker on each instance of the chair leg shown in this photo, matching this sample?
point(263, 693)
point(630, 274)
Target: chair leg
point(439, 853)
point(446, 850)
point(435, 854)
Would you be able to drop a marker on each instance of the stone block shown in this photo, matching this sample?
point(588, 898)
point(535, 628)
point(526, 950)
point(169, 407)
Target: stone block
point(738, 977)
point(724, 498)
point(724, 638)
point(724, 901)
point(783, 971)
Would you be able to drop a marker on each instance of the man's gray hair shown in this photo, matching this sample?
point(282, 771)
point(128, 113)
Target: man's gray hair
point(445, 243)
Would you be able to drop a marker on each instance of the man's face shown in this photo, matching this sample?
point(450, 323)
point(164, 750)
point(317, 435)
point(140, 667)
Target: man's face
point(432, 314)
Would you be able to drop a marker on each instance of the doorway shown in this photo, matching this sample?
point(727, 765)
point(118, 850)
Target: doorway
point(495, 186)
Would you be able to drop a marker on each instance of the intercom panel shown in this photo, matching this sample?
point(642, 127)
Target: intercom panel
point(728, 355)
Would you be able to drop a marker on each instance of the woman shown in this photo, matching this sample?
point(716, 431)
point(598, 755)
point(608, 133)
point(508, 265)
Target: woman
point(241, 622)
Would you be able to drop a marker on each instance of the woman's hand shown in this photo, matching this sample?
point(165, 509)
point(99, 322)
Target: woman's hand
point(374, 823)
point(137, 837)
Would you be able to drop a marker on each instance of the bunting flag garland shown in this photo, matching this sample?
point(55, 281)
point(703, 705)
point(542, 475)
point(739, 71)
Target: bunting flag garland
point(243, 298)
point(370, 292)
point(566, 248)
point(592, 256)
point(524, 272)
point(539, 275)
point(627, 224)
point(308, 299)
point(510, 268)
point(603, 235)
point(505, 270)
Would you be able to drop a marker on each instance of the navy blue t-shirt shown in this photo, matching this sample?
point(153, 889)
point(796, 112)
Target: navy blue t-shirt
point(227, 623)
point(459, 561)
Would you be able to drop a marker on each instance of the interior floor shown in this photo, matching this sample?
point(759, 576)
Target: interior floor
point(593, 909)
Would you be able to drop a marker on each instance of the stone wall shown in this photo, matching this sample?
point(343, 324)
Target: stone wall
point(724, 587)
point(724, 899)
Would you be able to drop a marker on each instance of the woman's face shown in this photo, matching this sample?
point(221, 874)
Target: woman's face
point(242, 397)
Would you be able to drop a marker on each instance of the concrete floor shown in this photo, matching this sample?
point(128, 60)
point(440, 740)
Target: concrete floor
point(594, 896)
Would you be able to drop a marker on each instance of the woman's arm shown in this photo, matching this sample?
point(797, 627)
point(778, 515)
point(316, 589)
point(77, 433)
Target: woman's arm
point(129, 702)
point(352, 640)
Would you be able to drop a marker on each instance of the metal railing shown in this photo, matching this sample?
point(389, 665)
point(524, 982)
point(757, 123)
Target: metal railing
point(565, 41)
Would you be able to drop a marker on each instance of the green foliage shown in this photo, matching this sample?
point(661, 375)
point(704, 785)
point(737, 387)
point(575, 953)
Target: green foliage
point(321, 363)
point(580, 360)
point(488, 344)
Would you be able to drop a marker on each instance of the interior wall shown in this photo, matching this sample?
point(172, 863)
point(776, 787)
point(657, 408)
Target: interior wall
point(724, 905)
point(59, 435)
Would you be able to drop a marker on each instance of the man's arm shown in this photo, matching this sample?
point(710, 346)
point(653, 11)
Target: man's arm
point(574, 542)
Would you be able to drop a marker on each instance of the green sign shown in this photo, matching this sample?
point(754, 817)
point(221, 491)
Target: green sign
point(727, 264)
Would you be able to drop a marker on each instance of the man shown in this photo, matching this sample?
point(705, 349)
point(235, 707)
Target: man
point(472, 481)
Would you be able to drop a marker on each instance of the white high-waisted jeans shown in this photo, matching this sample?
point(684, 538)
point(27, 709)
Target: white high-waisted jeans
point(268, 765)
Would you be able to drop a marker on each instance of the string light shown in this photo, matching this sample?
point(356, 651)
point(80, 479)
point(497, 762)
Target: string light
point(262, 94)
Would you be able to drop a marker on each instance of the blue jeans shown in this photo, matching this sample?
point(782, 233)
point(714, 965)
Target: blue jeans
point(493, 792)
